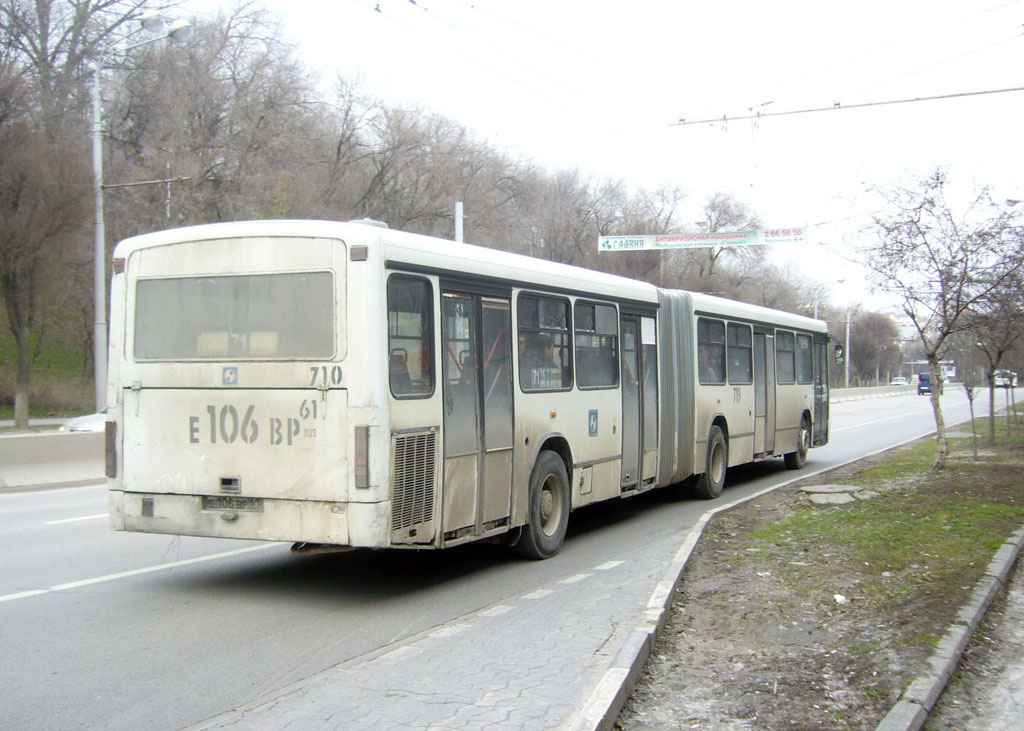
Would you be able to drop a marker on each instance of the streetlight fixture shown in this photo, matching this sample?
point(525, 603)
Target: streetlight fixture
point(178, 31)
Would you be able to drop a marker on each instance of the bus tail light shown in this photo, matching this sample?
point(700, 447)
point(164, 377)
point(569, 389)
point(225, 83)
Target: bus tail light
point(362, 453)
point(110, 440)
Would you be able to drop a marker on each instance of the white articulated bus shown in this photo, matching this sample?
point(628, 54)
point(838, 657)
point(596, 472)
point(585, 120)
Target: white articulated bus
point(346, 385)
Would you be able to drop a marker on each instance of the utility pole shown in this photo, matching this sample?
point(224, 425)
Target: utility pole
point(458, 222)
point(847, 358)
point(179, 31)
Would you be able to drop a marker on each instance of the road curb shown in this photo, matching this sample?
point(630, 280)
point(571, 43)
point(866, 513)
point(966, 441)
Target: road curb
point(602, 708)
point(837, 397)
point(918, 700)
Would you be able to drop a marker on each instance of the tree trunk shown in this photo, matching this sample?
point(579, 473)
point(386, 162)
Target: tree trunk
point(942, 446)
point(22, 379)
point(974, 426)
point(17, 322)
point(991, 410)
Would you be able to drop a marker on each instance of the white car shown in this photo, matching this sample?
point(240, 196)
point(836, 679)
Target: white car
point(898, 381)
point(1005, 379)
point(89, 422)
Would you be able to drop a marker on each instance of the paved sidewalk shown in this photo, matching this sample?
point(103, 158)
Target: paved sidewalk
point(990, 692)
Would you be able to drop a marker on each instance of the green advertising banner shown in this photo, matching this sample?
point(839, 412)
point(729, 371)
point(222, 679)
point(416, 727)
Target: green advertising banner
point(649, 242)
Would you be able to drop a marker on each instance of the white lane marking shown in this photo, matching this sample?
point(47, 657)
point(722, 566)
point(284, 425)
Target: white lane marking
point(539, 594)
point(876, 421)
point(574, 579)
point(75, 520)
point(22, 595)
point(609, 565)
point(136, 572)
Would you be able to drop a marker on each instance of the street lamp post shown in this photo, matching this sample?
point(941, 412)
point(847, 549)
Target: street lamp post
point(846, 359)
point(179, 30)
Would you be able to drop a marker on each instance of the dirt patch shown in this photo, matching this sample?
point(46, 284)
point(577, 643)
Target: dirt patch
point(793, 615)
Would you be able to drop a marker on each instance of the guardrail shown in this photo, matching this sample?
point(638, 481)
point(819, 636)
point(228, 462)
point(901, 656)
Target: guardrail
point(851, 394)
point(51, 460)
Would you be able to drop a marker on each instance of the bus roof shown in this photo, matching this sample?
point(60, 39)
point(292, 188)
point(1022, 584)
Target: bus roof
point(402, 249)
point(409, 250)
point(754, 313)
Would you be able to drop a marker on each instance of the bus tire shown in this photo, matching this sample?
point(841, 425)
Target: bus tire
point(709, 484)
point(796, 460)
point(547, 515)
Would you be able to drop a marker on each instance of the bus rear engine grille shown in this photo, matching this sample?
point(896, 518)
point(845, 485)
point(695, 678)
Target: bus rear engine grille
point(415, 466)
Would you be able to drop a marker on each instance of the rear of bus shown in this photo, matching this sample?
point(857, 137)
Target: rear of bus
point(242, 406)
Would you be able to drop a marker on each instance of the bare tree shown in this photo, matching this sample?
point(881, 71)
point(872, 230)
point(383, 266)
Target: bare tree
point(346, 164)
point(564, 218)
point(941, 265)
point(54, 41)
point(874, 345)
point(722, 212)
point(970, 368)
point(43, 198)
point(234, 116)
point(999, 329)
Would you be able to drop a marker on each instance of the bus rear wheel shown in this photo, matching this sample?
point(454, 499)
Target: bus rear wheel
point(709, 485)
point(796, 460)
point(548, 508)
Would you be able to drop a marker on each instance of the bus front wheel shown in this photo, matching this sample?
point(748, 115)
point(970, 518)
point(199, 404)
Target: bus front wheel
point(548, 508)
point(796, 460)
point(709, 485)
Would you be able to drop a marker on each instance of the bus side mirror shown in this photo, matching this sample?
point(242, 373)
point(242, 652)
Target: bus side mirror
point(840, 355)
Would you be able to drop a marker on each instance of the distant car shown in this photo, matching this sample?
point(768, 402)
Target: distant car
point(924, 383)
point(1005, 379)
point(89, 422)
point(898, 381)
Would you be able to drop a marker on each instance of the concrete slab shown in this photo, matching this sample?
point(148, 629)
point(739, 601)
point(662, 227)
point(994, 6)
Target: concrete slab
point(838, 499)
point(829, 489)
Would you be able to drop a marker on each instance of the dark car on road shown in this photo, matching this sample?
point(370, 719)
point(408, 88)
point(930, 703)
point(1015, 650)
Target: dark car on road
point(924, 383)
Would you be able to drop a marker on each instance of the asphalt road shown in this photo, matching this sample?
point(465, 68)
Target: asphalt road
point(120, 631)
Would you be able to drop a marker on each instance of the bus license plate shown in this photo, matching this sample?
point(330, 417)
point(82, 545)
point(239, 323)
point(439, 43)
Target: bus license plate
point(232, 502)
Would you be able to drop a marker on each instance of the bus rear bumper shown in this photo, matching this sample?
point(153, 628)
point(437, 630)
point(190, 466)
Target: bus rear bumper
point(267, 519)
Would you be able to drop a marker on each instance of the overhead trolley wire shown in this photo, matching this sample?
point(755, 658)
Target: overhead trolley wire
point(837, 106)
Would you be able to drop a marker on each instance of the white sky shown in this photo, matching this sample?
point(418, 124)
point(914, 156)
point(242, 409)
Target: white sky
point(597, 85)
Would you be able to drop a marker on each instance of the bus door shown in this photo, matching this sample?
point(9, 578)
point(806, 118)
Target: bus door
point(764, 391)
point(477, 388)
point(639, 401)
point(820, 435)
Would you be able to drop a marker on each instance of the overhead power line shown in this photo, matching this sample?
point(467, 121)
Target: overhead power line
point(837, 106)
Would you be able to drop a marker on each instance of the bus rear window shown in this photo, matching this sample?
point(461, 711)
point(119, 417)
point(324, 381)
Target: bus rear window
point(261, 316)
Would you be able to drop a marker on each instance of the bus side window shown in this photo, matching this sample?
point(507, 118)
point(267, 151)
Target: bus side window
point(785, 356)
point(711, 351)
point(410, 332)
point(597, 351)
point(544, 350)
point(804, 360)
point(741, 368)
